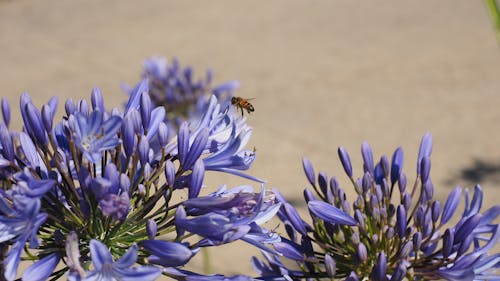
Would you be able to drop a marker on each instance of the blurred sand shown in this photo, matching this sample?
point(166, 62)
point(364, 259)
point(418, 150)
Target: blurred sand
point(324, 74)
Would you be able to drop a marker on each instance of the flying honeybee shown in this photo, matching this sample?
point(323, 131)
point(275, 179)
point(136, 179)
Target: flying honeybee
point(242, 103)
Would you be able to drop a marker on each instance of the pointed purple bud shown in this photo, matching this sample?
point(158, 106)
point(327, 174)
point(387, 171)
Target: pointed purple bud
point(83, 107)
point(362, 252)
point(330, 265)
point(402, 183)
point(399, 273)
point(34, 119)
point(143, 150)
point(397, 165)
point(367, 182)
point(196, 179)
point(309, 196)
point(467, 227)
point(425, 150)
point(196, 149)
point(405, 250)
point(436, 210)
point(7, 144)
point(124, 183)
point(330, 213)
point(135, 118)
point(170, 172)
point(406, 200)
point(359, 217)
point(141, 190)
point(355, 238)
point(401, 221)
point(111, 173)
point(97, 100)
point(417, 240)
point(352, 277)
point(448, 239)
point(183, 142)
point(380, 267)
point(53, 103)
point(47, 117)
point(145, 109)
point(70, 107)
point(420, 216)
point(128, 136)
point(151, 228)
point(384, 186)
point(180, 214)
point(309, 171)
point(168, 254)
point(476, 202)
point(323, 182)
point(135, 94)
point(295, 219)
point(346, 161)
point(378, 173)
point(425, 169)
point(451, 204)
point(385, 165)
point(389, 233)
point(334, 185)
point(367, 153)
point(428, 191)
point(163, 134)
point(24, 100)
point(6, 111)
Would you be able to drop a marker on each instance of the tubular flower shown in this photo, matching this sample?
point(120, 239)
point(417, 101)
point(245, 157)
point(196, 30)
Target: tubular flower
point(390, 232)
point(110, 176)
point(182, 95)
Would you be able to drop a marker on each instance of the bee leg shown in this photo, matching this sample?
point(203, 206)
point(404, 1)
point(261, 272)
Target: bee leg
point(241, 111)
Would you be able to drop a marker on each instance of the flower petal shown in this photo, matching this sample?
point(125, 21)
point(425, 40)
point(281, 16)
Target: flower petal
point(100, 254)
point(42, 269)
point(330, 213)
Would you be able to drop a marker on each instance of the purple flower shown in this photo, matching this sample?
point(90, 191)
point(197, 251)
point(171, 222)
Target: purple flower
point(409, 222)
point(107, 269)
point(225, 216)
point(346, 161)
point(330, 213)
point(93, 134)
point(42, 269)
point(20, 220)
point(174, 88)
point(168, 254)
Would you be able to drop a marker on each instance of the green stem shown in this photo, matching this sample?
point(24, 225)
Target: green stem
point(207, 261)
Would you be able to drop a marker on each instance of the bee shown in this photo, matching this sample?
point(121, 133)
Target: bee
point(242, 103)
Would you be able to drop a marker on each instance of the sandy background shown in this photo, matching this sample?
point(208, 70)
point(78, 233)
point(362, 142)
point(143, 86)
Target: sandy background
point(324, 74)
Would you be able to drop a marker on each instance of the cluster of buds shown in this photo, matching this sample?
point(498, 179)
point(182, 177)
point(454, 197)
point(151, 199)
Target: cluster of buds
point(90, 197)
point(183, 96)
point(390, 232)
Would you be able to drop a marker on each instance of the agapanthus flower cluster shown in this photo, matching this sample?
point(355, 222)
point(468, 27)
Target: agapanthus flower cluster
point(183, 96)
point(391, 231)
point(89, 196)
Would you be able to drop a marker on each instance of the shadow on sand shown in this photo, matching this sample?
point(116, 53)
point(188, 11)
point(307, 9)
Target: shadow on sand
point(478, 172)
